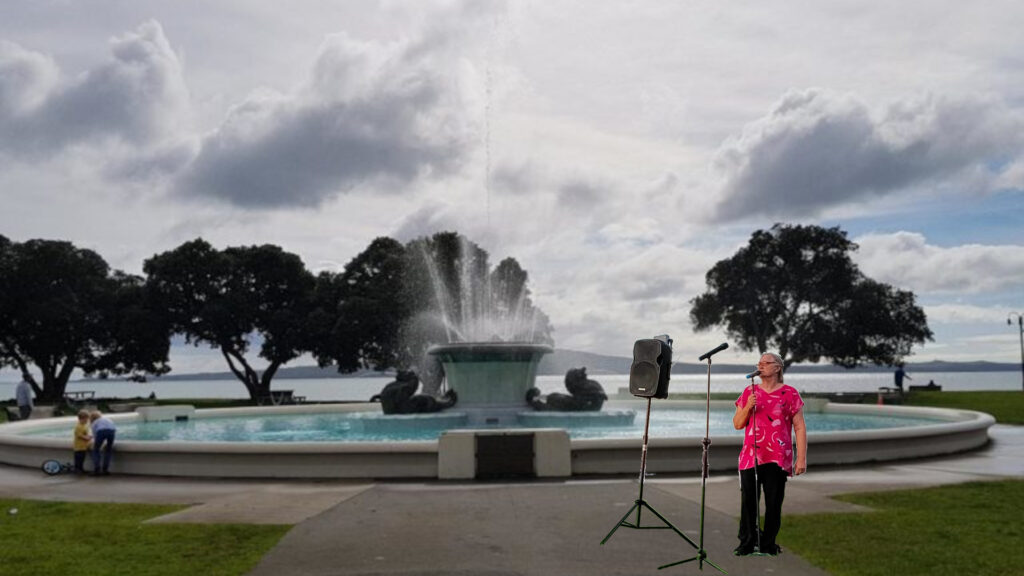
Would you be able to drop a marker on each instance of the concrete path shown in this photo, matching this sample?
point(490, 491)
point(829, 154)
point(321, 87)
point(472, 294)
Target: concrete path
point(489, 529)
point(508, 530)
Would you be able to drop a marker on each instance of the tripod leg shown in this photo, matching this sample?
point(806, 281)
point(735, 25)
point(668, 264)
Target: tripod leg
point(679, 562)
point(621, 522)
point(715, 566)
point(669, 524)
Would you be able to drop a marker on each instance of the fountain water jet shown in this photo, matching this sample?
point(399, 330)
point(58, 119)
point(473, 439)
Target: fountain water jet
point(495, 336)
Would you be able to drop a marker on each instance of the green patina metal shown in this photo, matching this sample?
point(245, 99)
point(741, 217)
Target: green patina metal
point(490, 373)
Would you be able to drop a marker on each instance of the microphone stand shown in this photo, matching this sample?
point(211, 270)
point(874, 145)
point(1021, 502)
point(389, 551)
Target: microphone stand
point(702, 555)
point(757, 486)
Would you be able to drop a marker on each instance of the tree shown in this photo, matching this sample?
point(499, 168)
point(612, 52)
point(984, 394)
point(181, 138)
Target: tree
point(358, 313)
point(62, 308)
point(227, 298)
point(796, 290)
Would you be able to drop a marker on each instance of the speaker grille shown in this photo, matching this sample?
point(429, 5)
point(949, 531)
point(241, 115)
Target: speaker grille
point(650, 371)
point(643, 379)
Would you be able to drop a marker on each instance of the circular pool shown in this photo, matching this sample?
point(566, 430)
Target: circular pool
point(337, 441)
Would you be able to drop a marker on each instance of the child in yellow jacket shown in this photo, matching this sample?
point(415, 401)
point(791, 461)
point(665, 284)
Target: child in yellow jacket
point(83, 438)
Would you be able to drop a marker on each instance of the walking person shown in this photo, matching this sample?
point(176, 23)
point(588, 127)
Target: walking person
point(770, 413)
point(103, 432)
point(898, 376)
point(23, 393)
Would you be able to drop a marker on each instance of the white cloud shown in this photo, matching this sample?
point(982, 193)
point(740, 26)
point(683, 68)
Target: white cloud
point(134, 107)
point(816, 150)
point(906, 260)
point(369, 114)
point(966, 314)
point(25, 79)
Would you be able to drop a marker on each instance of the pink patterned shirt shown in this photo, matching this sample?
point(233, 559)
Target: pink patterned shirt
point(773, 420)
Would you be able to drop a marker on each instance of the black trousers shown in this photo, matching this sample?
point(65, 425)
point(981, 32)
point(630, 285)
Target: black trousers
point(772, 479)
point(80, 460)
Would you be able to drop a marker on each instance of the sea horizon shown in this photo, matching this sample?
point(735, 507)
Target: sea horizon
point(361, 388)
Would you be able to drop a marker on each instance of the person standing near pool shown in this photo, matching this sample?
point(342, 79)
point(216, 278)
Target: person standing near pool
point(23, 394)
point(771, 413)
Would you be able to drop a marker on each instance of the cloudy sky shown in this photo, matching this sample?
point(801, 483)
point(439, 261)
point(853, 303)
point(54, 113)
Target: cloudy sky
point(617, 151)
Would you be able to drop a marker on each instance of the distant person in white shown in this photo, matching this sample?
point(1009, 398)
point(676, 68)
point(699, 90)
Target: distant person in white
point(23, 392)
point(103, 431)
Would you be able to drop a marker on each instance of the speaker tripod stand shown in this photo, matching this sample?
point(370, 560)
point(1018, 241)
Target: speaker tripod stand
point(702, 556)
point(639, 504)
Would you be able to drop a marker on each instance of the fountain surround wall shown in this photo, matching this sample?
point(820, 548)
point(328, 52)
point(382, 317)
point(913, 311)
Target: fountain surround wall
point(490, 378)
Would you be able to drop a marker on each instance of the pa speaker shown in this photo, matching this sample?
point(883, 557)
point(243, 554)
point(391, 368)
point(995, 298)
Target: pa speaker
point(652, 365)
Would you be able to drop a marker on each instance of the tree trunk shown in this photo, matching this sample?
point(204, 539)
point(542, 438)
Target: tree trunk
point(53, 388)
point(268, 376)
point(257, 386)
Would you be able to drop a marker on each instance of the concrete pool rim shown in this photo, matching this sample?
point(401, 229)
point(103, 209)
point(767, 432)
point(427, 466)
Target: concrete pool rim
point(556, 455)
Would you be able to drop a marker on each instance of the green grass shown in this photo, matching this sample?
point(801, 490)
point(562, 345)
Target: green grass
point(86, 538)
point(1007, 407)
point(972, 528)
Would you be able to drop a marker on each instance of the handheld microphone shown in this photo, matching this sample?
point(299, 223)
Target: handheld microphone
point(752, 374)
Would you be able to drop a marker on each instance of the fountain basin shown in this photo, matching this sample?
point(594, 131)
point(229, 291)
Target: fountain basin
point(490, 378)
point(946, 431)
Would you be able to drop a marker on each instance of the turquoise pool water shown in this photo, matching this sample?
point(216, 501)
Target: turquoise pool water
point(347, 427)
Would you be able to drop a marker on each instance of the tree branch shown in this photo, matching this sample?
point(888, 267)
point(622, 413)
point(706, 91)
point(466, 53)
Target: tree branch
point(242, 377)
point(12, 351)
point(269, 373)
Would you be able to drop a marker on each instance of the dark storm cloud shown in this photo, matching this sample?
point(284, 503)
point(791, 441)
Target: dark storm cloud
point(137, 98)
point(817, 150)
point(370, 113)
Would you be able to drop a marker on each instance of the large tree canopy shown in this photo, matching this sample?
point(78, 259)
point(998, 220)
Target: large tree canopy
point(795, 290)
point(224, 298)
point(359, 312)
point(62, 308)
point(392, 302)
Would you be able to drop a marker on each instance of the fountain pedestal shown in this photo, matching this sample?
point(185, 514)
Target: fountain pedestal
point(490, 378)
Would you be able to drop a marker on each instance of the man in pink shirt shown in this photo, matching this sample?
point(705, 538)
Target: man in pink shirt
point(771, 413)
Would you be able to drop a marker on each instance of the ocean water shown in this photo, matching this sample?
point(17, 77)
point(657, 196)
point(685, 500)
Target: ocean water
point(360, 389)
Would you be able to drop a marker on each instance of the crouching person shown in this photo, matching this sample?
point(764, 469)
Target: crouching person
point(103, 431)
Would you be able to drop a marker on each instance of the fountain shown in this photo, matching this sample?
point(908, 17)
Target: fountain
point(490, 378)
point(495, 335)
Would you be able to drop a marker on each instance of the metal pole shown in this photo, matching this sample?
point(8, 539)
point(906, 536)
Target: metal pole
point(757, 487)
point(1020, 328)
point(643, 459)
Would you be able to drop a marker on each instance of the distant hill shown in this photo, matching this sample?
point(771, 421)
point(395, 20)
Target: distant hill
point(285, 373)
point(560, 361)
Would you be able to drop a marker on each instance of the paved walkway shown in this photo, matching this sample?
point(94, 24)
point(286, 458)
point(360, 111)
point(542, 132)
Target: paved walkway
point(507, 529)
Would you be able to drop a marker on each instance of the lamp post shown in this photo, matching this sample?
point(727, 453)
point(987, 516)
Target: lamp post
point(1020, 327)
